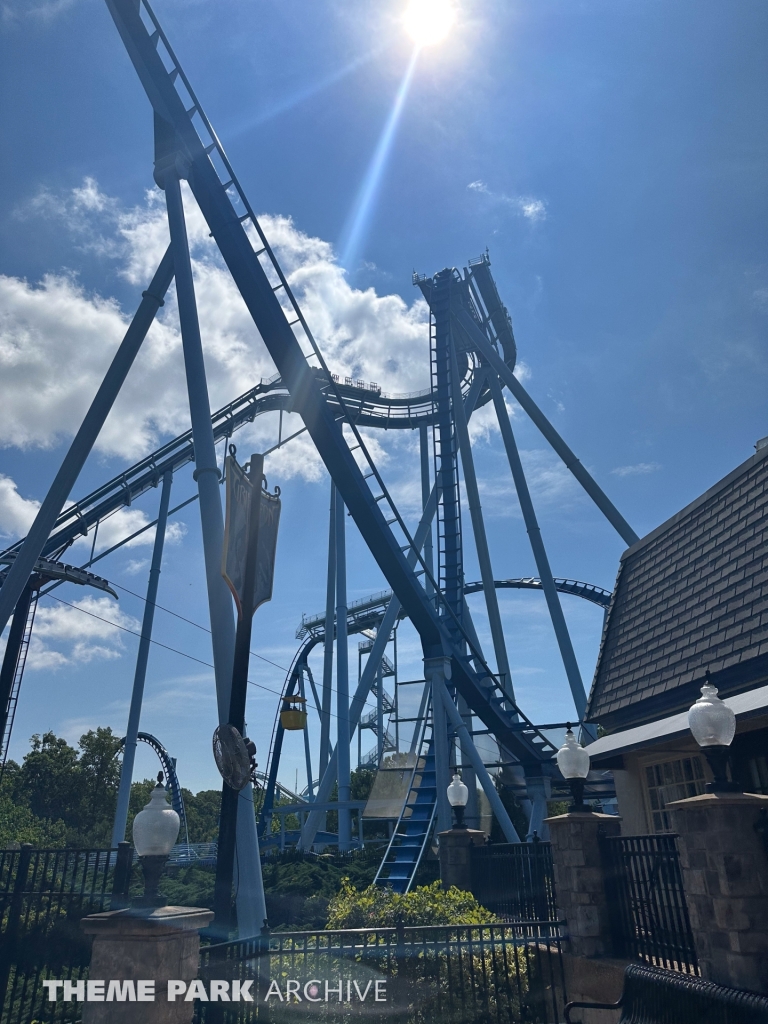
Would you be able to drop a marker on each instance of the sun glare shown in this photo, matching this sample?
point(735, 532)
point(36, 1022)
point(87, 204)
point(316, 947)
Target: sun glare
point(429, 21)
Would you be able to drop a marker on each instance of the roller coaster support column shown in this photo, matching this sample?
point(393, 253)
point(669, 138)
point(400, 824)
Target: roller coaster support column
point(342, 677)
point(424, 449)
point(498, 808)
point(436, 670)
point(478, 529)
point(307, 752)
point(379, 717)
point(330, 598)
point(472, 810)
point(542, 562)
point(84, 440)
point(315, 818)
point(140, 675)
point(206, 470)
point(212, 522)
point(11, 660)
point(600, 498)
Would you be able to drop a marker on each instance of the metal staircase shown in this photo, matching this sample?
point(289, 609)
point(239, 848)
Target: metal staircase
point(414, 827)
point(13, 699)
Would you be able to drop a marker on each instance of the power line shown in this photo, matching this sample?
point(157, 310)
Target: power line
point(175, 650)
point(197, 625)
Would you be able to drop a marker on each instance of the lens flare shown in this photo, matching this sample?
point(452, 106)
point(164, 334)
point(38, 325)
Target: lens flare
point(429, 21)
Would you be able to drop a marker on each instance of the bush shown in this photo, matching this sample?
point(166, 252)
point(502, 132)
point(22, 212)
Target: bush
point(378, 907)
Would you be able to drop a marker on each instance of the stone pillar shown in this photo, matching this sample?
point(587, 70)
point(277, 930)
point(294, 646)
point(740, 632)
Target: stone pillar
point(455, 851)
point(133, 945)
point(580, 879)
point(725, 876)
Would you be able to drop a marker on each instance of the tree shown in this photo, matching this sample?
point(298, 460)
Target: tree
point(56, 782)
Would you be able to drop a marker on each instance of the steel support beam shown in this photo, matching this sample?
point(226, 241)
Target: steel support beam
point(426, 487)
point(478, 530)
point(307, 751)
point(84, 439)
point(435, 671)
point(603, 502)
point(330, 600)
point(344, 734)
point(486, 781)
point(315, 818)
point(540, 554)
point(250, 890)
point(140, 673)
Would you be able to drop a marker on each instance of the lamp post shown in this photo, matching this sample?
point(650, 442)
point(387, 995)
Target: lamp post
point(573, 762)
point(458, 794)
point(713, 725)
point(155, 830)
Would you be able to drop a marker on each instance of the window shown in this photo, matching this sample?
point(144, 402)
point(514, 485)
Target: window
point(669, 781)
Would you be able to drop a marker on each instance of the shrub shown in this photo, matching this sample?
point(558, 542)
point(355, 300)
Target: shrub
point(378, 907)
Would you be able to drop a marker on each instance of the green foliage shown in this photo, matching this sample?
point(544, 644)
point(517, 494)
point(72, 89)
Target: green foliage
point(202, 814)
point(557, 807)
point(77, 788)
point(382, 908)
point(66, 796)
point(19, 825)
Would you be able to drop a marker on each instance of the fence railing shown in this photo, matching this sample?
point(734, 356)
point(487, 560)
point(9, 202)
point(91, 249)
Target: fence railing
point(510, 973)
point(515, 880)
point(43, 896)
point(649, 915)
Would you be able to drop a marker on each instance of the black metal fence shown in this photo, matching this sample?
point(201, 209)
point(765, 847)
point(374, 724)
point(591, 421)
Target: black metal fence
point(649, 915)
point(515, 880)
point(509, 973)
point(43, 896)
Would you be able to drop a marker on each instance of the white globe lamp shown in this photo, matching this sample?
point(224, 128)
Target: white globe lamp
point(713, 725)
point(155, 830)
point(458, 794)
point(573, 762)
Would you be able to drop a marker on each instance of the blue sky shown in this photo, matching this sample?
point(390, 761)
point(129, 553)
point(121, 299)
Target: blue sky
point(611, 156)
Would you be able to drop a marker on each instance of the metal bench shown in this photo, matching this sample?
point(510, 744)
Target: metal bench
point(653, 996)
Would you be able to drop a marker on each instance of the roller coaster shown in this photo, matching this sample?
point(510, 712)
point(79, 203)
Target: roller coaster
point(465, 692)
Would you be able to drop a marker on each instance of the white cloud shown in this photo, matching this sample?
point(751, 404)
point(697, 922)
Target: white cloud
point(85, 630)
point(638, 469)
point(16, 513)
point(529, 207)
point(56, 339)
point(42, 10)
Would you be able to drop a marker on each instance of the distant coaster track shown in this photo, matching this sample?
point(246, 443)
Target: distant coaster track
point(364, 403)
point(367, 613)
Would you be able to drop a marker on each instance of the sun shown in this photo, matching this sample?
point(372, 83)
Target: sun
point(429, 21)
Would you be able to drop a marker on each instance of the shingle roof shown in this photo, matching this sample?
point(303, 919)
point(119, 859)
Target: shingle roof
point(691, 595)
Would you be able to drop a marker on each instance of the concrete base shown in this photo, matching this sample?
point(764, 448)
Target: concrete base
point(131, 945)
point(725, 876)
point(455, 850)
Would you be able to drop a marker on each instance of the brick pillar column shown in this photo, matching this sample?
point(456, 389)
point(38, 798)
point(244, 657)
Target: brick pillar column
point(455, 852)
point(725, 875)
point(133, 946)
point(580, 880)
